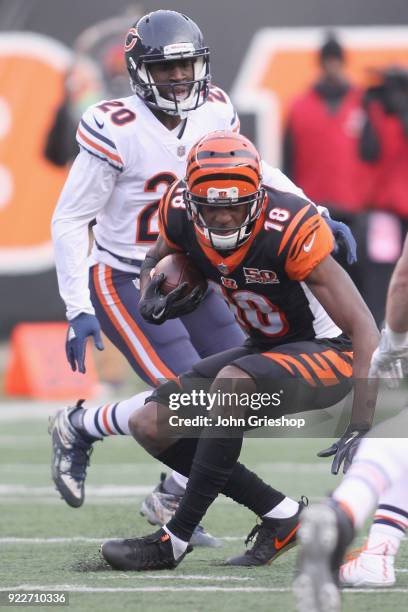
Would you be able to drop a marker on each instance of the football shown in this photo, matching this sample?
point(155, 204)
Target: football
point(179, 269)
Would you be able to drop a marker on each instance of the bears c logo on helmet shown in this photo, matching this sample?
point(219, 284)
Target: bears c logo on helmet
point(131, 39)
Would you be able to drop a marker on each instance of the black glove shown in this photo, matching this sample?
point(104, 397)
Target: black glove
point(157, 308)
point(345, 448)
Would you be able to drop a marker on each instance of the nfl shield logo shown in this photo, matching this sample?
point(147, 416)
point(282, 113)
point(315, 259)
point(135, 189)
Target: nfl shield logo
point(181, 151)
point(223, 268)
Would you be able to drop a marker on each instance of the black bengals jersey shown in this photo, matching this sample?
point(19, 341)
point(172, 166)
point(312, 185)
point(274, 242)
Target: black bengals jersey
point(262, 280)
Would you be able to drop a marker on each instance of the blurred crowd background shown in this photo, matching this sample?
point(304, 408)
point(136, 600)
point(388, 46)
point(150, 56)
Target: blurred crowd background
point(321, 88)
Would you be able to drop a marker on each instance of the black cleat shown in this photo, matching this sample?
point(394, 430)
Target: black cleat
point(273, 538)
point(152, 552)
point(324, 534)
point(70, 456)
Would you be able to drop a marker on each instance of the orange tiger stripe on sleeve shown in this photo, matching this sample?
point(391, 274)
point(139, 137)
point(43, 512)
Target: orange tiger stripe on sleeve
point(312, 243)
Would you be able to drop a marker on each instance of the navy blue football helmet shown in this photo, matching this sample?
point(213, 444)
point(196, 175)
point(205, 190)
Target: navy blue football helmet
point(165, 36)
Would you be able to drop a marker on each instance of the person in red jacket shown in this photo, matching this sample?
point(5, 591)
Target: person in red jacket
point(322, 137)
point(384, 146)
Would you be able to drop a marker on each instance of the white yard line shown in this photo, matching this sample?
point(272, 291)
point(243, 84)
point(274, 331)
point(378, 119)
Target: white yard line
point(18, 490)
point(24, 468)
point(173, 577)
point(75, 588)
point(282, 467)
point(14, 412)
point(86, 540)
point(95, 494)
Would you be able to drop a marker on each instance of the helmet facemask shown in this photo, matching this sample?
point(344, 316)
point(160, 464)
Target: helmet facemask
point(231, 238)
point(144, 85)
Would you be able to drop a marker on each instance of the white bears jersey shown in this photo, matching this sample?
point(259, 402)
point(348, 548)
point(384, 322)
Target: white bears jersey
point(148, 158)
point(127, 160)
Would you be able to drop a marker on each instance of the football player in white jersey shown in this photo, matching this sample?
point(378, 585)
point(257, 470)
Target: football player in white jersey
point(379, 473)
point(131, 150)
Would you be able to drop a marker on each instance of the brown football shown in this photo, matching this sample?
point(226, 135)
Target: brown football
point(179, 269)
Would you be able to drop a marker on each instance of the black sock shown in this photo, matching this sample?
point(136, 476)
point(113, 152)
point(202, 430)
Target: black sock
point(212, 465)
point(246, 488)
point(243, 486)
point(76, 419)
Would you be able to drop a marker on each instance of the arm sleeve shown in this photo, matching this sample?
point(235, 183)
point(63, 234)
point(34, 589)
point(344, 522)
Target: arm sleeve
point(309, 241)
point(86, 191)
point(170, 219)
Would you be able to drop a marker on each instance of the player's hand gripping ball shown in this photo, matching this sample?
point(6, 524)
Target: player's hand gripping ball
point(176, 289)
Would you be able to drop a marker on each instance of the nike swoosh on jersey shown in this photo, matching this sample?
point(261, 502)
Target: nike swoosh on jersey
point(281, 543)
point(307, 247)
point(100, 125)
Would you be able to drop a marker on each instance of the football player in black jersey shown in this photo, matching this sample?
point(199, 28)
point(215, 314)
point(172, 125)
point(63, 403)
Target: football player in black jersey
point(310, 338)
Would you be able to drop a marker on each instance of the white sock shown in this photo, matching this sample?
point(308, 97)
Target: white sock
point(180, 479)
point(179, 546)
point(285, 509)
point(112, 418)
point(390, 521)
point(357, 497)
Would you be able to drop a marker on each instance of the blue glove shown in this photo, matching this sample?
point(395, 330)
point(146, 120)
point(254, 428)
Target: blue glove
point(344, 238)
point(82, 326)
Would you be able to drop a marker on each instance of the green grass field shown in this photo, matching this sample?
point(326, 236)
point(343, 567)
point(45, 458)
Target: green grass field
point(46, 545)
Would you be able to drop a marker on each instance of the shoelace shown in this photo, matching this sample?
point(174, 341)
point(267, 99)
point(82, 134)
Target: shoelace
point(261, 533)
point(80, 456)
point(148, 548)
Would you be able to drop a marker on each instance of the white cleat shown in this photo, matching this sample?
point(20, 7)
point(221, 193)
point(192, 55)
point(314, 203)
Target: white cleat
point(368, 570)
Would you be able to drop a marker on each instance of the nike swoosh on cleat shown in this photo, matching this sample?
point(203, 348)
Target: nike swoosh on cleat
point(100, 125)
point(281, 543)
point(307, 247)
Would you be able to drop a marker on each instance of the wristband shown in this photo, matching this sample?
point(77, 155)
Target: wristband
point(397, 339)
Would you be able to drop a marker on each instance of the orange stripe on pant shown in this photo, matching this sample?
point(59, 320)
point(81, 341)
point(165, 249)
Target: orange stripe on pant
point(340, 364)
point(163, 369)
point(284, 360)
point(324, 372)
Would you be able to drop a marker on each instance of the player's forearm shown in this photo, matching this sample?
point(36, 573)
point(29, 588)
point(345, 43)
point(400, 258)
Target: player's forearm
point(365, 389)
point(71, 242)
point(87, 189)
point(159, 250)
point(341, 300)
point(364, 335)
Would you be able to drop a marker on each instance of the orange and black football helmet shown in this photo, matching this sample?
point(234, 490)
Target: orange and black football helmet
point(224, 169)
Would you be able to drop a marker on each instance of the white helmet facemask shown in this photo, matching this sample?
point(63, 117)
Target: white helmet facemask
point(236, 236)
point(175, 104)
